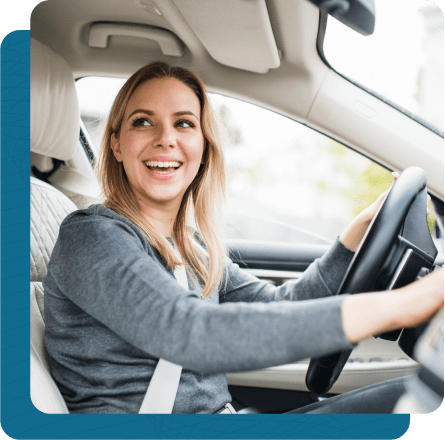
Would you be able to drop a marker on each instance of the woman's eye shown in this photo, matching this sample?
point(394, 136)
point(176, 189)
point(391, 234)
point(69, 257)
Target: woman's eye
point(184, 123)
point(141, 122)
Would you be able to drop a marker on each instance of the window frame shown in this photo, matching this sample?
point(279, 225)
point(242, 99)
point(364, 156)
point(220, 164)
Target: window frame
point(322, 25)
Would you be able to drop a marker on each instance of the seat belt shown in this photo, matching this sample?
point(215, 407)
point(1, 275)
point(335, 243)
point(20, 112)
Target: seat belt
point(161, 393)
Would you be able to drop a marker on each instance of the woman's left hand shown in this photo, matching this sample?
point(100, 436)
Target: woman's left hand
point(353, 234)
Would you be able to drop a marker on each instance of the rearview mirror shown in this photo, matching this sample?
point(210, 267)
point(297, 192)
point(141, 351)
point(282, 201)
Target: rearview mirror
point(357, 14)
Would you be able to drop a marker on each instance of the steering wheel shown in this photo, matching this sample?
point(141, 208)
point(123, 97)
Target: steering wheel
point(396, 246)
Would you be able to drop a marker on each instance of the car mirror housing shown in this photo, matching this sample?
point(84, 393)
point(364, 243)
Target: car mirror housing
point(356, 14)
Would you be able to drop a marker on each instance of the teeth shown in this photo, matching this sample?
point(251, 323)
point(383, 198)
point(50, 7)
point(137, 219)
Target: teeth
point(153, 163)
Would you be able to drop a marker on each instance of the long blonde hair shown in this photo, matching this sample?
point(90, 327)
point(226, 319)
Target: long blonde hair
point(204, 197)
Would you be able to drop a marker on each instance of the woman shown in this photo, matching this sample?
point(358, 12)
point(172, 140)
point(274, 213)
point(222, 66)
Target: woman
point(113, 307)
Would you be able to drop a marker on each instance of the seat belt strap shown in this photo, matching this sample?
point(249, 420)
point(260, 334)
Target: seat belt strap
point(161, 393)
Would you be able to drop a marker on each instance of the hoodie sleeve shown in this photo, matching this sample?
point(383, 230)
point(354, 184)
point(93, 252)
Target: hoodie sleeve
point(321, 279)
point(103, 267)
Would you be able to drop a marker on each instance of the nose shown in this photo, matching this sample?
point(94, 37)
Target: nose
point(165, 136)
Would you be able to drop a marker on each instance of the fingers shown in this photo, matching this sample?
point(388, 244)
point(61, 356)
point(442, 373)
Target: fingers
point(396, 175)
point(422, 299)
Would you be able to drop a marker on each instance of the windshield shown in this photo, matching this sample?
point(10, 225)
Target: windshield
point(402, 61)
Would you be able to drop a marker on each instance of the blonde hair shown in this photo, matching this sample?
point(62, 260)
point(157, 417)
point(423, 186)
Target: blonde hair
point(204, 197)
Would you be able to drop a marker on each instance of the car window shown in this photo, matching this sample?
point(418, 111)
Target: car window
point(402, 61)
point(286, 182)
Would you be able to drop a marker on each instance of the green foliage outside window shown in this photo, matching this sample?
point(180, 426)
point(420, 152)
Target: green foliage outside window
point(368, 182)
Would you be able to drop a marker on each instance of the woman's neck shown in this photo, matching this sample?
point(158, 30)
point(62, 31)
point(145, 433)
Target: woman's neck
point(161, 218)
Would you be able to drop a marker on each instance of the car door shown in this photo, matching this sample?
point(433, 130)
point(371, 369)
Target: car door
point(291, 192)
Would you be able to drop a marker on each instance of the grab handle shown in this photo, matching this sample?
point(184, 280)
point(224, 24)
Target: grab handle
point(169, 43)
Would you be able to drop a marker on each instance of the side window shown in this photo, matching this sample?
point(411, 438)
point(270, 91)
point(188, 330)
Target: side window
point(288, 182)
point(285, 181)
point(96, 96)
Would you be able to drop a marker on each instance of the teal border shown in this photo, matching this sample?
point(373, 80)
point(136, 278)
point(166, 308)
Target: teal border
point(19, 418)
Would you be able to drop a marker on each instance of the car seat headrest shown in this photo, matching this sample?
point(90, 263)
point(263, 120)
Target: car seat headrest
point(54, 107)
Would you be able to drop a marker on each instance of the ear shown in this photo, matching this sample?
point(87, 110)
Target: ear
point(116, 147)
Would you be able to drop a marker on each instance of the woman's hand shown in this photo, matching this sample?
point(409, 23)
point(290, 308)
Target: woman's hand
point(417, 302)
point(369, 314)
point(353, 234)
point(369, 213)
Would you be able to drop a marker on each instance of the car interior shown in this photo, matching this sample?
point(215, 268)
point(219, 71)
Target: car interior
point(268, 53)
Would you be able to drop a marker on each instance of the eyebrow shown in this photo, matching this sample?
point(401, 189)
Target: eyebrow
point(152, 113)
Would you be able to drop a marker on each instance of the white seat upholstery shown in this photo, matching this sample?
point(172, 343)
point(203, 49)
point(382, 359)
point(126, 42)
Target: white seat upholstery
point(55, 117)
point(45, 395)
point(48, 209)
point(54, 134)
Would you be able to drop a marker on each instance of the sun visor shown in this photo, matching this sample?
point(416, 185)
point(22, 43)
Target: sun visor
point(236, 33)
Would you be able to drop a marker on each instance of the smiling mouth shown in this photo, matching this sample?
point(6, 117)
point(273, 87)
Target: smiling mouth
point(162, 167)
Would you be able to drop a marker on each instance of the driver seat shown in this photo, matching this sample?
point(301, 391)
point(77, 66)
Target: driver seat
point(48, 208)
point(54, 134)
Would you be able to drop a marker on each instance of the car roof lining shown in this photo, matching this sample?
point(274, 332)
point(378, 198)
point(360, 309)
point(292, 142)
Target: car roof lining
point(65, 26)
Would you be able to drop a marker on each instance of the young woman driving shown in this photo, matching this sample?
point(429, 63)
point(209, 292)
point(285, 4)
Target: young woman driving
point(113, 307)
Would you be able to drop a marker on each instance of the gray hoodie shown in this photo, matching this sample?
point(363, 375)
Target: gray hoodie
point(112, 309)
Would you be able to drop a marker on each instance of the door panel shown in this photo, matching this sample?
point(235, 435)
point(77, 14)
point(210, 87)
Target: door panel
point(293, 257)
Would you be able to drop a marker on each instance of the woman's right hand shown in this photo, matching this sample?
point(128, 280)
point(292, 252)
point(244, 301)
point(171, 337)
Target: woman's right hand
point(369, 314)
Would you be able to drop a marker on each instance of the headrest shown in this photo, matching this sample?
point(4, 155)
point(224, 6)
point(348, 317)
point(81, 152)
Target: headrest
point(54, 107)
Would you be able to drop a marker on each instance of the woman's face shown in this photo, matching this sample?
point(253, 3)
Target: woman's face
point(161, 142)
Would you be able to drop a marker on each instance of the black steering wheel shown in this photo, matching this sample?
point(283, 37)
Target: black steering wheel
point(396, 247)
